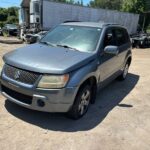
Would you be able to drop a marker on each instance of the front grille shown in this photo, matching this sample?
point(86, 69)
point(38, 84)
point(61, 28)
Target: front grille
point(21, 75)
point(18, 96)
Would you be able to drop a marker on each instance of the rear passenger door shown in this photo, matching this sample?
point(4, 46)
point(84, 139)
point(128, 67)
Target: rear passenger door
point(123, 43)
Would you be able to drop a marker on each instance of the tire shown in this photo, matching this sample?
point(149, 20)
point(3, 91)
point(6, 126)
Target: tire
point(125, 72)
point(81, 103)
point(2, 33)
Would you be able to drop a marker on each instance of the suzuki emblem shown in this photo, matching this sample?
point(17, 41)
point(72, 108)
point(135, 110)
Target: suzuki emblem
point(17, 75)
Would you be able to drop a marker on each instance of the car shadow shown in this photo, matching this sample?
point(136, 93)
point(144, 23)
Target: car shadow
point(107, 98)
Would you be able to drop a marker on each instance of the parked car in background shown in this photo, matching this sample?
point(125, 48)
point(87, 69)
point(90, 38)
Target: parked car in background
point(62, 72)
point(33, 38)
point(10, 29)
point(141, 40)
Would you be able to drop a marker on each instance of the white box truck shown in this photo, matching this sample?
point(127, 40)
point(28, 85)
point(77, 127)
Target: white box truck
point(45, 14)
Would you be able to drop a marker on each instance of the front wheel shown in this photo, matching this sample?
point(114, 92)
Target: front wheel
point(81, 103)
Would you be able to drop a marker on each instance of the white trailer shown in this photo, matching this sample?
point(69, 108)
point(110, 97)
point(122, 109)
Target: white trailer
point(47, 14)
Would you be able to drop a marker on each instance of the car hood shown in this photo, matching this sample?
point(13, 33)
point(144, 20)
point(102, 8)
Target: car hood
point(46, 59)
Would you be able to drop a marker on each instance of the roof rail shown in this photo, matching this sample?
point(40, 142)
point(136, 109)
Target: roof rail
point(108, 24)
point(67, 21)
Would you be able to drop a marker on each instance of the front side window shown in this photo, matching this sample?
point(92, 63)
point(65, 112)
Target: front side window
point(109, 38)
point(81, 38)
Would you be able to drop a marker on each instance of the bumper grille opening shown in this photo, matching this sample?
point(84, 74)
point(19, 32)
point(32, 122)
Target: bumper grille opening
point(21, 75)
point(18, 96)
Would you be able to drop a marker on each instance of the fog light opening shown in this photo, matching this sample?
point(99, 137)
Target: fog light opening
point(40, 103)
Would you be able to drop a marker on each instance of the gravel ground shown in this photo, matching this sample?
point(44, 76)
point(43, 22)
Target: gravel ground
point(120, 119)
point(10, 40)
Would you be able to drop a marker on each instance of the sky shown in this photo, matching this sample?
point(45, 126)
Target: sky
point(9, 3)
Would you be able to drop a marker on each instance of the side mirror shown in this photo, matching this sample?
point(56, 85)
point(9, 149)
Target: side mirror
point(113, 50)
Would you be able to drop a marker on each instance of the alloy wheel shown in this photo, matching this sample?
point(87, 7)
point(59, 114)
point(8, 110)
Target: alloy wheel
point(85, 100)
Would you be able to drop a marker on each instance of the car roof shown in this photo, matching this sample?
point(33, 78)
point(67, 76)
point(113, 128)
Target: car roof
point(91, 24)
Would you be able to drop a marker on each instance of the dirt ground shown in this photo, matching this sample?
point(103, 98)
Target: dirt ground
point(120, 119)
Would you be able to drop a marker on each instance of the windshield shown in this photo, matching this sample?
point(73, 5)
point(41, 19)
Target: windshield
point(80, 38)
point(11, 26)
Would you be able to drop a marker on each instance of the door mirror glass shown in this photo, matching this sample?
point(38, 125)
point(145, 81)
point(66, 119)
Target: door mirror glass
point(113, 50)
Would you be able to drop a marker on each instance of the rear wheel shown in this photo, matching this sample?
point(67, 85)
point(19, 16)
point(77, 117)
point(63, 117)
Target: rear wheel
point(81, 103)
point(125, 72)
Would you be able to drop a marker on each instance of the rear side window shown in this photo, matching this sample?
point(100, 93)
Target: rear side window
point(127, 36)
point(122, 36)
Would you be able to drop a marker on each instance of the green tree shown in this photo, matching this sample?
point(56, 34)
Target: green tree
point(65, 1)
point(82, 2)
point(134, 6)
point(147, 7)
point(12, 11)
point(8, 15)
point(3, 14)
point(107, 4)
point(79, 2)
point(61, 0)
point(12, 20)
point(141, 7)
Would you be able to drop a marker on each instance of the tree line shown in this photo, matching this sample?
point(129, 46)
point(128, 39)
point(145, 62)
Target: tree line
point(133, 6)
point(8, 16)
point(141, 7)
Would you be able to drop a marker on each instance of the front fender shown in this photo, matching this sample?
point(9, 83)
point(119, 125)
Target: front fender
point(79, 76)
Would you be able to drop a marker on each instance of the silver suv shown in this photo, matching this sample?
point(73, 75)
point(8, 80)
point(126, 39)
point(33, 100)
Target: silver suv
point(62, 72)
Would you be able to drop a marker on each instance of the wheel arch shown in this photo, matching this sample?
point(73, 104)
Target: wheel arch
point(92, 81)
point(129, 59)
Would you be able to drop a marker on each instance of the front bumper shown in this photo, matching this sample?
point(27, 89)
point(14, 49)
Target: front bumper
point(48, 100)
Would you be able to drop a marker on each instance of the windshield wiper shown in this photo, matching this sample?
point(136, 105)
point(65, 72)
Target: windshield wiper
point(66, 46)
point(48, 43)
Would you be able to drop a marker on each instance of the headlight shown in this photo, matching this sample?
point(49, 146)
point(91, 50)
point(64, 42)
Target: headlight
point(53, 81)
point(1, 65)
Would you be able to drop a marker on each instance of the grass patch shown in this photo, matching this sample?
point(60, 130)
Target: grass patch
point(148, 29)
point(5, 34)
